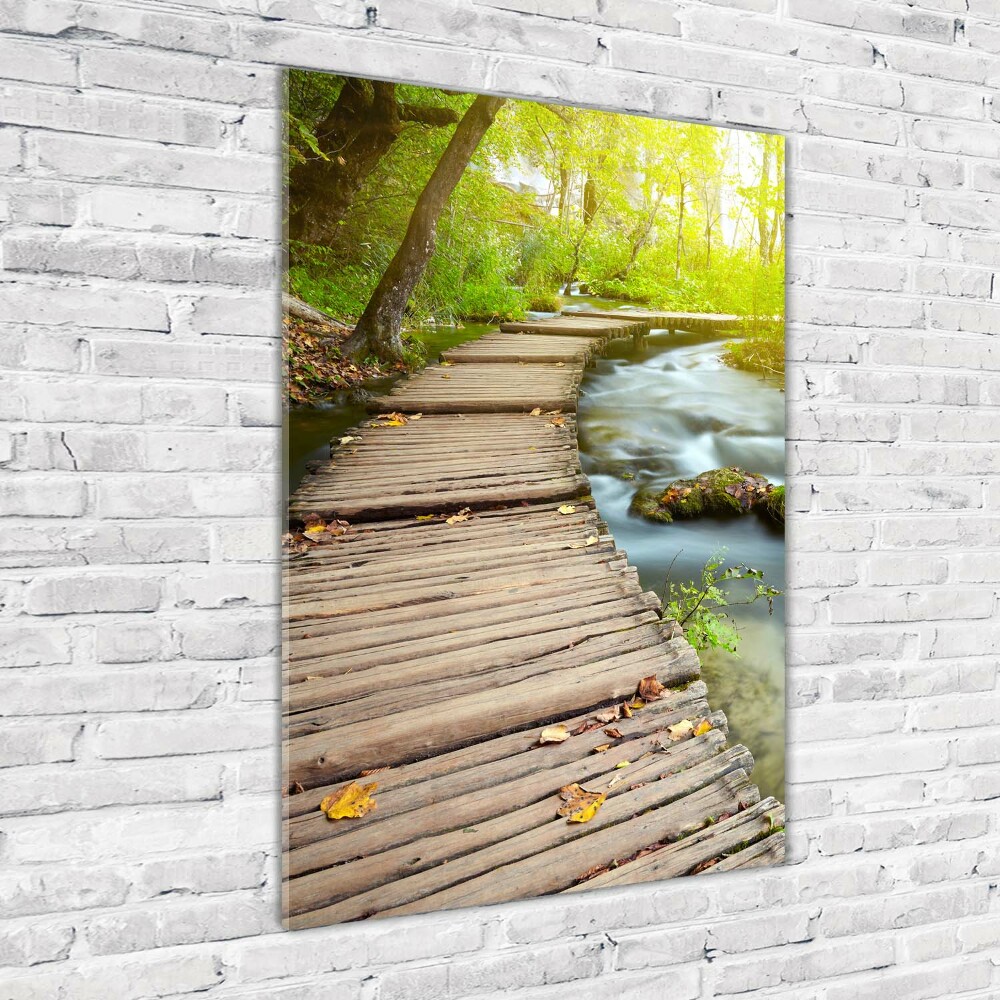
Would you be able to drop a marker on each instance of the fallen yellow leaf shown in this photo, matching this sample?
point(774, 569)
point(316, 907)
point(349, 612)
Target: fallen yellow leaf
point(316, 529)
point(602, 748)
point(621, 764)
point(554, 734)
point(587, 813)
point(703, 727)
point(567, 508)
point(683, 728)
point(462, 515)
point(536, 412)
point(579, 804)
point(425, 517)
point(350, 802)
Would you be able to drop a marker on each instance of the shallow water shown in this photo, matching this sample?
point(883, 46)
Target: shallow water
point(668, 410)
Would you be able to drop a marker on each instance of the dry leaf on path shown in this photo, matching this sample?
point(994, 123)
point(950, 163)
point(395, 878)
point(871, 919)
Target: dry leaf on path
point(350, 802)
point(375, 770)
point(536, 412)
point(602, 748)
point(554, 734)
point(425, 517)
point(613, 732)
point(587, 813)
point(567, 508)
point(650, 688)
point(608, 715)
point(703, 727)
point(462, 515)
point(559, 421)
point(579, 804)
point(682, 729)
point(347, 439)
point(592, 540)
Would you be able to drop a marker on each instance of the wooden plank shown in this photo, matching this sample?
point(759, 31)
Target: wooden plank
point(653, 318)
point(531, 863)
point(515, 347)
point(485, 388)
point(480, 816)
point(330, 756)
point(715, 840)
point(514, 754)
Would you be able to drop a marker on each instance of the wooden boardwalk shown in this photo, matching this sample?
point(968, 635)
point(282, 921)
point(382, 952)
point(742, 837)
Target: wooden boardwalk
point(475, 599)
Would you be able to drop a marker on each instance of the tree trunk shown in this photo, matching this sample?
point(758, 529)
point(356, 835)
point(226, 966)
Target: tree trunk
point(359, 130)
point(563, 192)
point(763, 187)
point(589, 199)
point(378, 330)
point(680, 233)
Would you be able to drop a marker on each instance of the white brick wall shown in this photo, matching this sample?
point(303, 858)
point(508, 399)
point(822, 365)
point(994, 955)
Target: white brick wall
point(138, 358)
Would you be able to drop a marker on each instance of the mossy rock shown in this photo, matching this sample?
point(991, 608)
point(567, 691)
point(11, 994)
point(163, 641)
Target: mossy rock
point(773, 504)
point(728, 492)
point(646, 504)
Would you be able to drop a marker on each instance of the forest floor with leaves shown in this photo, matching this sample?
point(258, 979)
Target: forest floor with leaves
point(315, 366)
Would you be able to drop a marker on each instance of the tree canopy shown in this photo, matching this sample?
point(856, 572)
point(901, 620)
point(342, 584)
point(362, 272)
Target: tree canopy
point(676, 216)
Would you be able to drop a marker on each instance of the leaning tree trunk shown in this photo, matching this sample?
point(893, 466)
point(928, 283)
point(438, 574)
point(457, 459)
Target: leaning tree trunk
point(763, 188)
point(378, 330)
point(359, 130)
point(680, 234)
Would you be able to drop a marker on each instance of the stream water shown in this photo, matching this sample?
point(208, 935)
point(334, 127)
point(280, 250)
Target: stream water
point(669, 410)
point(666, 410)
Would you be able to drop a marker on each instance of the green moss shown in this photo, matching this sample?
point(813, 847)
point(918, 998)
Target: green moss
point(728, 492)
point(646, 504)
point(773, 504)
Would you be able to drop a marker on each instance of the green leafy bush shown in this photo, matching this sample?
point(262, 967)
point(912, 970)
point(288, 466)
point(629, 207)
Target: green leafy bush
point(701, 607)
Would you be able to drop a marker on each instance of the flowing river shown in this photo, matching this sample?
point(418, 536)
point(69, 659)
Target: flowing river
point(670, 410)
point(667, 410)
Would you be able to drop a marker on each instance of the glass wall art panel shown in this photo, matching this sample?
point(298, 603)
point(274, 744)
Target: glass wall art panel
point(534, 559)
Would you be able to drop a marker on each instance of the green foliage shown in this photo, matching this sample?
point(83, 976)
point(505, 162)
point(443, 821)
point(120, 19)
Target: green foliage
point(675, 216)
point(700, 607)
point(761, 349)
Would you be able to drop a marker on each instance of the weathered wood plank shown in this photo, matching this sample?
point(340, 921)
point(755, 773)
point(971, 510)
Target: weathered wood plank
point(329, 756)
point(715, 840)
point(501, 756)
point(550, 857)
point(477, 816)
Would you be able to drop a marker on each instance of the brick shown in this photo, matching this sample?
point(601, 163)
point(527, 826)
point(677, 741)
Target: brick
point(128, 783)
point(38, 496)
point(204, 640)
point(38, 742)
point(165, 734)
point(105, 114)
point(30, 646)
point(185, 360)
point(110, 159)
point(85, 305)
point(173, 74)
point(92, 593)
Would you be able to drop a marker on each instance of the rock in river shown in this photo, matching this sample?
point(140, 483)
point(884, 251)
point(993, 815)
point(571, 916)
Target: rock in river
point(726, 492)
